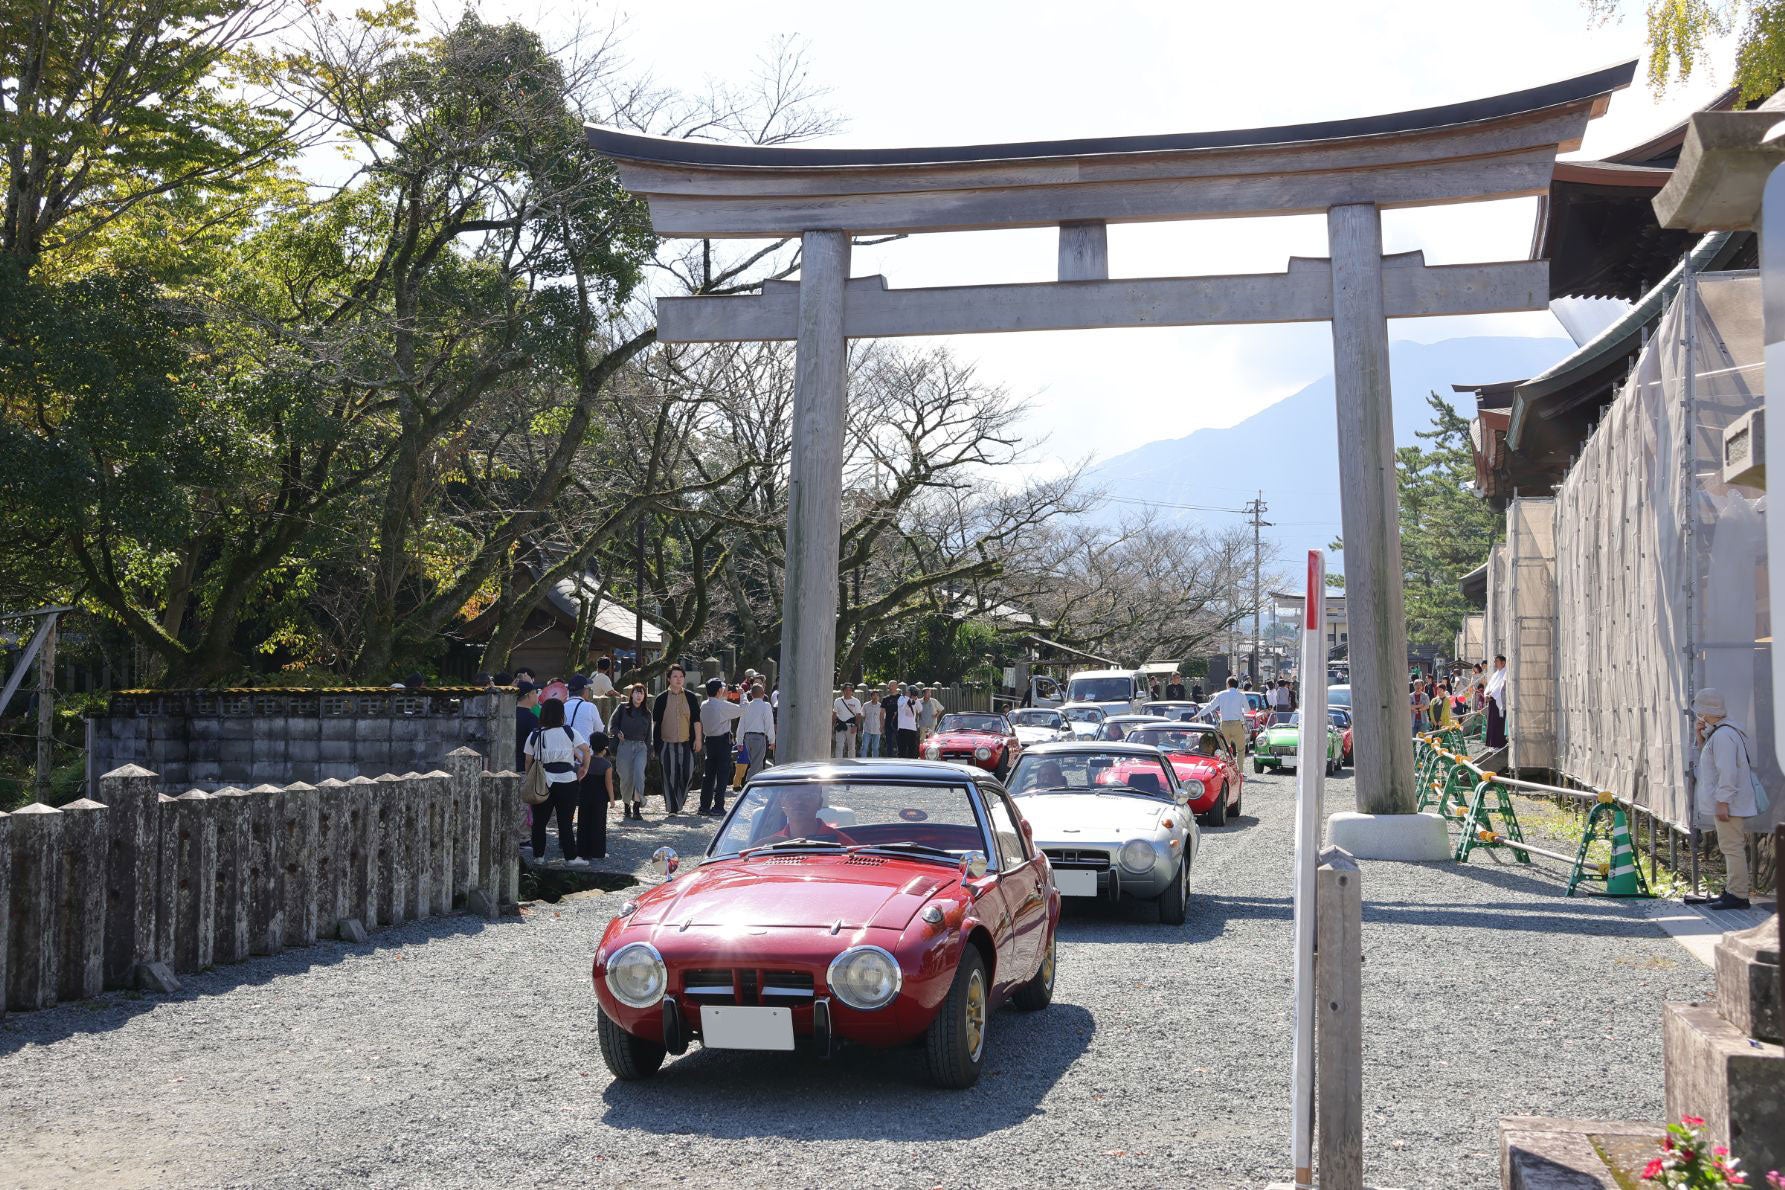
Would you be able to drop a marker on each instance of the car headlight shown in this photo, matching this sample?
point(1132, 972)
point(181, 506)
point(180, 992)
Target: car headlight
point(932, 751)
point(982, 753)
point(1193, 787)
point(636, 975)
point(865, 977)
point(1138, 855)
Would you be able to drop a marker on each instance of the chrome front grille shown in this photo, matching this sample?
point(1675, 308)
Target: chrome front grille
point(1070, 857)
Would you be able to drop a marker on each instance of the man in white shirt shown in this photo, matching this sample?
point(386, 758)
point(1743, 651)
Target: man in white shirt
point(580, 714)
point(1723, 789)
point(929, 713)
point(602, 684)
point(846, 721)
point(907, 723)
point(718, 714)
point(756, 725)
point(1495, 696)
point(1230, 708)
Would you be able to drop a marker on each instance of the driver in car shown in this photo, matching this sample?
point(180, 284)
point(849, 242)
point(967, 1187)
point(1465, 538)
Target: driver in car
point(801, 805)
point(1205, 744)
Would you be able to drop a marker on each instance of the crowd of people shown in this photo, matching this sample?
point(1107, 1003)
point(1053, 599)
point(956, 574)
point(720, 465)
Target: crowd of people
point(595, 766)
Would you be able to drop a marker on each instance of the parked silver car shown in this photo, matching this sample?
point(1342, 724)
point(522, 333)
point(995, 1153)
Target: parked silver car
point(1113, 821)
point(1039, 725)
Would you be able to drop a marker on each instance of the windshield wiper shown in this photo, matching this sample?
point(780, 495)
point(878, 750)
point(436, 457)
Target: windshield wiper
point(787, 844)
point(920, 850)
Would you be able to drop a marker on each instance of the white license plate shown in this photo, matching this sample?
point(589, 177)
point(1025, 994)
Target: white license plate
point(1075, 883)
point(732, 1028)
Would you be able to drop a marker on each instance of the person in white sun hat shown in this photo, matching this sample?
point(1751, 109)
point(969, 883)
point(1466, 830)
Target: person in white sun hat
point(1724, 792)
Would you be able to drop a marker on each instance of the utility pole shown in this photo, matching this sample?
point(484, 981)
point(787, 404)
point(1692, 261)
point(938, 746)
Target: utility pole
point(1256, 509)
point(46, 712)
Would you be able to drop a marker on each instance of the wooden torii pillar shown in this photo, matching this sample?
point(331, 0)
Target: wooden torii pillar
point(1350, 170)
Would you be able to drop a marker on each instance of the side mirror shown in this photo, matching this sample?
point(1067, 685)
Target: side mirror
point(973, 864)
point(665, 861)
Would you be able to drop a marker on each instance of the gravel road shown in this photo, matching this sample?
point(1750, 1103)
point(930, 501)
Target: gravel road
point(454, 1053)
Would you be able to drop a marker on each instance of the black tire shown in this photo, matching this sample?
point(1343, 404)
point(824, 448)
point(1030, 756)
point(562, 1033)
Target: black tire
point(1257, 769)
point(1003, 769)
point(1218, 816)
point(947, 1050)
point(1234, 809)
point(1174, 902)
point(630, 1057)
point(1038, 993)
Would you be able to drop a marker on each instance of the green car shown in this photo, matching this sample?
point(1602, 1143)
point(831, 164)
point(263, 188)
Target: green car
point(1278, 744)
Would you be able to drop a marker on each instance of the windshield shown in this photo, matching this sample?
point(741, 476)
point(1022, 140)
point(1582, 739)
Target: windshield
point(1092, 772)
point(826, 815)
point(1036, 719)
point(993, 724)
point(1286, 718)
point(1083, 714)
point(1339, 718)
point(1338, 696)
point(1176, 739)
point(1100, 689)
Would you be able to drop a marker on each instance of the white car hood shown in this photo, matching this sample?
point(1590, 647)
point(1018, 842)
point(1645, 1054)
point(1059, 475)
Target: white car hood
point(1091, 817)
point(1035, 735)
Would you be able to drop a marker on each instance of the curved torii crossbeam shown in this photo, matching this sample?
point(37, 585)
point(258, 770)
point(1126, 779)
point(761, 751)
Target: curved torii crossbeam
point(1499, 147)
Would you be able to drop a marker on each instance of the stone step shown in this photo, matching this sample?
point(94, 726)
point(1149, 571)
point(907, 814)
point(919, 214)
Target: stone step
point(1557, 1153)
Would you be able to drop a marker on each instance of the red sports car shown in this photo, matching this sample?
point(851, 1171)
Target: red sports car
point(878, 902)
point(1342, 720)
point(1205, 765)
point(982, 740)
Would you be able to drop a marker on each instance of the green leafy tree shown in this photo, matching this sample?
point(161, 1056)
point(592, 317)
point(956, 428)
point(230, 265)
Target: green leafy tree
point(1446, 529)
point(1678, 31)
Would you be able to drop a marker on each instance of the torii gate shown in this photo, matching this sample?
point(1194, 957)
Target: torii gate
point(1501, 147)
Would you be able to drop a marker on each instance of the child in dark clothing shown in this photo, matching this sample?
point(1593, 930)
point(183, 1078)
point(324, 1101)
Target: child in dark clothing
point(593, 800)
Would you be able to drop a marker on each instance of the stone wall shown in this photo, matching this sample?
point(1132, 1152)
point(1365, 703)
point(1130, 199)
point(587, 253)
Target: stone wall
point(132, 887)
point(207, 739)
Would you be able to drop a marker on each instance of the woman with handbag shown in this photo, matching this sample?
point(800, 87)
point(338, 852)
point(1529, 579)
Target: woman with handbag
point(563, 756)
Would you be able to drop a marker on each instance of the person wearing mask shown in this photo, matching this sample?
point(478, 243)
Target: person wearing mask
point(1439, 709)
point(905, 715)
point(756, 726)
point(565, 757)
point(526, 722)
point(846, 720)
point(1174, 689)
point(872, 723)
point(1723, 791)
point(602, 684)
point(1230, 711)
point(675, 725)
point(718, 715)
point(1494, 697)
point(632, 735)
point(929, 713)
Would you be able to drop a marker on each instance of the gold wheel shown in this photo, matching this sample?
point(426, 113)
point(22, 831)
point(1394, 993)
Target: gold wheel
point(1047, 966)
point(976, 1015)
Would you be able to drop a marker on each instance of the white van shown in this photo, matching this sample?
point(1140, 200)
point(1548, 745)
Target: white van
point(1117, 691)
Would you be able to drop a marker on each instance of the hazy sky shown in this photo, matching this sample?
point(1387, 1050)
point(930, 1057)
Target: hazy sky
point(925, 73)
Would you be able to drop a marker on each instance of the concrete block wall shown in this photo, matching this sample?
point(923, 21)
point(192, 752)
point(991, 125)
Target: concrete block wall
point(132, 888)
point(207, 739)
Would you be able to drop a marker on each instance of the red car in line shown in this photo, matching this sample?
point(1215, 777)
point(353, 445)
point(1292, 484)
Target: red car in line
point(881, 903)
point(985, 741)
point(1205, 765)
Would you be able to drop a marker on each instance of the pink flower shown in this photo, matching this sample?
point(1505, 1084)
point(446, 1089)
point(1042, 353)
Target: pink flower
point(1692, 1121)
point(1652, 1170)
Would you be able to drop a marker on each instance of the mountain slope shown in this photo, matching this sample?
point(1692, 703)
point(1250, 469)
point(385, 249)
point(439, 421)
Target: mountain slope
point(1290, 450)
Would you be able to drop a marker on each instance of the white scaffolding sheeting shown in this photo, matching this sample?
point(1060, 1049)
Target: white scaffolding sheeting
point(1471, 643)
point(1661, 566)
point(1530, 632)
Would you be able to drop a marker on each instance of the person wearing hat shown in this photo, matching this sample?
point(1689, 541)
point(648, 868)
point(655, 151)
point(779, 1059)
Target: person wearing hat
point(1724, 791)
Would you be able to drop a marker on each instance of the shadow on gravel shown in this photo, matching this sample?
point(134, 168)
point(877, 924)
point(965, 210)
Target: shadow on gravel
point(1587, 917)
point(861, 1094)
point(1134, 922)
point(114, 1009)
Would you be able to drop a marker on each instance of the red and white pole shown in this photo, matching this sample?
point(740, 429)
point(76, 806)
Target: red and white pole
point(1310, 779)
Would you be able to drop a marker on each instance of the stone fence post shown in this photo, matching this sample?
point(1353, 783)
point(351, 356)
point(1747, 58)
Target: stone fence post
point(130, 794)
point(5, 902)
point(230, 935)
point(438, 799)
point(418, 895)
point(465, 765)
point(36, 899)
point(499, 862)
point(266, 870)
point(189, 862)
point(393, 884)
point(86, 837)
point(299, 810)
point(334, 833)
point(364, 841)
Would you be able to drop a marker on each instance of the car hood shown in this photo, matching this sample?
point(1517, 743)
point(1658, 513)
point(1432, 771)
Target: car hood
point(1202, 768)
point(968, 739)
point(796, 891)
point(1086, 730)
point(1065, 817)
point(1035, 735)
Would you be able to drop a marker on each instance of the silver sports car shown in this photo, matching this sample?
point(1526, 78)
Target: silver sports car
point(1113, 821)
